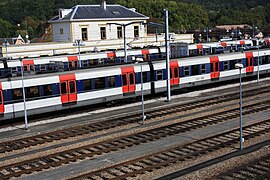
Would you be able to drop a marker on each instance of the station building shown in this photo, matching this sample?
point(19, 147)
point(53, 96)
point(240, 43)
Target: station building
point(98, 22)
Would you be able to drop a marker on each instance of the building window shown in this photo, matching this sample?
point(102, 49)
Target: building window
point(136, 31)
point(61, 31)
point(119, 32)
point(103, 32)
point(84, 34)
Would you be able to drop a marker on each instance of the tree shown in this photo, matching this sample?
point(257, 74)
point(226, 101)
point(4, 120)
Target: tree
point(6, 29)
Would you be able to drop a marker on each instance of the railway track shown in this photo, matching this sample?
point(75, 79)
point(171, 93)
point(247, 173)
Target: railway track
point(117, 144)
point(171, 156)
point(258, 169)
point(117, 121)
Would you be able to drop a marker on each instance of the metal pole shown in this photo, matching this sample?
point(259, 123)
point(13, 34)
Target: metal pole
point(156, 35)
point(80, 63)
point(143, 117)
point(207, 34)
point(240, 103)
point(125, 45)
point(258, 59)
point(24, 103)
point(253, 30)
point(5, 44)
point(167, 54)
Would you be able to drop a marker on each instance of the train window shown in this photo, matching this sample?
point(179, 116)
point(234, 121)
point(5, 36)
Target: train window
point(32, 92)
point(111, 81)
point(144, 77)
point(186, 70)
point(84, 63)
point(63, 88)
point(131, 78)
point(192, 52)
point(207, 50)
point(99, 83)
point(87, 84)
point(203, 69)
point(25, 68)
point(226, 65)
point(47, 90)
point(111, 60)
point(42, 67)
point(72, 88)
point(211, 67)
point(70, 64)
point(232, 64)
point(249, 61)
point(265, 59)
point(124, 79)
point(14, 69)
point(17, 94)
point(32, 68)
point(75, 63)
point(217, 66)
point(176, 72)
point(195, 70)
point(159, 75)
point(100, 61)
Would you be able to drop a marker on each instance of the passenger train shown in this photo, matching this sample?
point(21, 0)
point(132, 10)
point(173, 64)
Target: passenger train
point(69, 89)
point(12, 67)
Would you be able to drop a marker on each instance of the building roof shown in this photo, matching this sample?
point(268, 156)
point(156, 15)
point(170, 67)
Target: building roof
point(12, 41)
point(98, 12)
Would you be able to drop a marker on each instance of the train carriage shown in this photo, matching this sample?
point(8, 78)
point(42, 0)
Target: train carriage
point(75, 88)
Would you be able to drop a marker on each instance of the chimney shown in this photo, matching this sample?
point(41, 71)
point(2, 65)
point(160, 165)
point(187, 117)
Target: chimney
point(103, 4)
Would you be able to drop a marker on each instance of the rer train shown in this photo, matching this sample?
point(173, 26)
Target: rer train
point(12, 67)
point(64, 90)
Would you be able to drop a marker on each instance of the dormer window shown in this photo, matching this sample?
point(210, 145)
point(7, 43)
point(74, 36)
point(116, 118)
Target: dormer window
point(64, 12)
point(116, 13)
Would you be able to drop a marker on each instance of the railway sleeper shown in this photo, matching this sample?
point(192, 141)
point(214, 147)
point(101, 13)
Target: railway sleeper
point(247, 175)
point(255, 170)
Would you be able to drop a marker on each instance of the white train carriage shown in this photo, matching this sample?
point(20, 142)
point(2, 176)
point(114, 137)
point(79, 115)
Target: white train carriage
point(48, 93)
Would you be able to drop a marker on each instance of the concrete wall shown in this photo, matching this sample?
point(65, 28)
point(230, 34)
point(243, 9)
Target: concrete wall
point(66, 36)
point(73, 31)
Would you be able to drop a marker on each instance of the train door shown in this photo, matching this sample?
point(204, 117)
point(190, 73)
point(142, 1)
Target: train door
point(28, 66)
point(111, 57)
point(199, 49)
point(215, 67)
point(2, 108)
point(128, 79)
point(249, 62)
point(72, 62)
point(146, 54)
point(174, 73)
point(68, 90)
point(224, 46)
